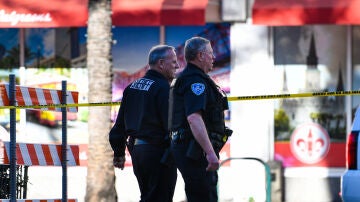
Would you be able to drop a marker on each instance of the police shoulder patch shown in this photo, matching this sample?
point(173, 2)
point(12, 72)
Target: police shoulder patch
point(197, 88)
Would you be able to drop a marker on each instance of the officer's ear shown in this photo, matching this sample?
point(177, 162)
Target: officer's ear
point(200, 56)
point(161, 63)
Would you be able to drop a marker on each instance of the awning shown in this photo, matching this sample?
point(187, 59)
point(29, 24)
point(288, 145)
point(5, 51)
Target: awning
point(302, 12)
point(41, 13)
point(74, 13)
point(158, 12)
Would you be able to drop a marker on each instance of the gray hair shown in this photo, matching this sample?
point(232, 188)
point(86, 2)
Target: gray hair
point(158, 52)
point(193, 46)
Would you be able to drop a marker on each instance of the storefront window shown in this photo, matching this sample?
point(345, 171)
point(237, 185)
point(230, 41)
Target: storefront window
point(310, 59)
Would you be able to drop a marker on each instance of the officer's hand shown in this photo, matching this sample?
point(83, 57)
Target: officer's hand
point(119, 162)
point(213, 162)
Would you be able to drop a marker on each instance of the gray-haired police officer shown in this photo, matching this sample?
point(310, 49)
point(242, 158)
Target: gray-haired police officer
point(142, 125)
point(196, 110)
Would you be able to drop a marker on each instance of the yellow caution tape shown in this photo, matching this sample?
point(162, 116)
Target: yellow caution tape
point(296, 95)
point(234, 98)
point(61, 105)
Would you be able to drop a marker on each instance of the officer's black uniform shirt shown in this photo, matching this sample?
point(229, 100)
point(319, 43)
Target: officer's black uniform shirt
point(143, 112)
point(191, 94)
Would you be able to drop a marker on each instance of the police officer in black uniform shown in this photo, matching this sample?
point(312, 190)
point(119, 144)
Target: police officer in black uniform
point(141, 125)
point(196, 111)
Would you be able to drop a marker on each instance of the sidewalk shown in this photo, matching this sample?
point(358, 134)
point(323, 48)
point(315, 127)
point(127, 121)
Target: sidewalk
point(46, 183)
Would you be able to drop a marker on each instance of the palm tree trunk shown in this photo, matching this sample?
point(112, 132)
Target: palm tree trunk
point(100, 185)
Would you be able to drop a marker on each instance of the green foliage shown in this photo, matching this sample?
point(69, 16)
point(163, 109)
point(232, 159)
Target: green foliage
point(334, 123)
point(282, 122)
point(12, 57)
point(84, 114)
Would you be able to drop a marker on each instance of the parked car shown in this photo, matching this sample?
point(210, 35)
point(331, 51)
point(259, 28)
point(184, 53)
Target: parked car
point(350, 180)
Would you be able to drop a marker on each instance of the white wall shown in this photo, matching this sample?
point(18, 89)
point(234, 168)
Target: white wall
point(252, 120)
point(251, 74)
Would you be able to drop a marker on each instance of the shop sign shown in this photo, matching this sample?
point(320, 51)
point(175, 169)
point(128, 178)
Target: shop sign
point(14, 17)
point(310, 146)
point(310, 143)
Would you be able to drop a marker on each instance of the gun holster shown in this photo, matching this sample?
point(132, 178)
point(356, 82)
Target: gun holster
point(218, 140)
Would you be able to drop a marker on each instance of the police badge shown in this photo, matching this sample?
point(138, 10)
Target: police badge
point(197, 88)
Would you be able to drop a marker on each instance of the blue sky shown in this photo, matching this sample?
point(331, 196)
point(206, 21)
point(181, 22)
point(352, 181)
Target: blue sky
point(34, 39)
point(9, 38)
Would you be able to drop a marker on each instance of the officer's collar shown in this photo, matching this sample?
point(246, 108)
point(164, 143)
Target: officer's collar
point(193, 68)
point(155, 73)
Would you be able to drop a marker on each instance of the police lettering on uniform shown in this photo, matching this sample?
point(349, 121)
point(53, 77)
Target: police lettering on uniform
point(141, 125)
point(196, 122)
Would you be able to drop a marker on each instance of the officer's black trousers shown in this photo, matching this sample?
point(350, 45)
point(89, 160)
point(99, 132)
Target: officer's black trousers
point(200, 185)
point(156, 181)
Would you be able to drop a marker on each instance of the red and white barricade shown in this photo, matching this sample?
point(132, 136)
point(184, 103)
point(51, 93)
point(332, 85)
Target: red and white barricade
point(28, 96)
point(39, 154)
